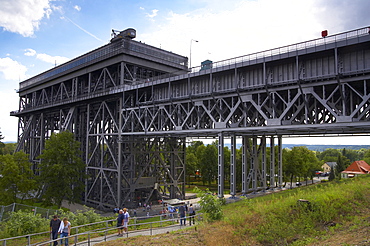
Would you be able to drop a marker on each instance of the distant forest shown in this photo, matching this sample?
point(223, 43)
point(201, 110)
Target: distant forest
point(324, 147)
point(317, 147)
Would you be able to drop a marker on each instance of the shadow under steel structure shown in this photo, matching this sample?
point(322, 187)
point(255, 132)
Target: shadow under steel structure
point(132, 106)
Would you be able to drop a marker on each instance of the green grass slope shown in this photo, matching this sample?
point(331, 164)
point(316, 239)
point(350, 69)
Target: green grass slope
point(338, 213)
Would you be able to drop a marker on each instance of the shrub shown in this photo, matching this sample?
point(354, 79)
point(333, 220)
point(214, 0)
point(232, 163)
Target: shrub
point(210, 204)
point(21, 223)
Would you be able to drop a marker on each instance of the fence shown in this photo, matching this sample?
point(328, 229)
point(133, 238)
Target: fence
point(6, 210)
point(105, 232)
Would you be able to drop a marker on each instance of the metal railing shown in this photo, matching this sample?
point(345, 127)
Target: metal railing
point(106, 51)
point(136, 229)
point(6, 210)
point(104, 232)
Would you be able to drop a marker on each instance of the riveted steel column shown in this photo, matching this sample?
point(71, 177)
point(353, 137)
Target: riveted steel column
point(87, 154)
point(272, 162)
point(280, 161)
point(254, 162)
point(233, 166)
point(263, 164)
point(221, 165)
point(245, 142)
point(119, 157)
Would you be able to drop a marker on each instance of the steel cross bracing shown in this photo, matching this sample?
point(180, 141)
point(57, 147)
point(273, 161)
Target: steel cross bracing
point(126, 120)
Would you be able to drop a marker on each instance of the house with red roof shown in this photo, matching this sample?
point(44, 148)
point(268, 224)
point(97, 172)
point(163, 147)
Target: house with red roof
point(355, 169)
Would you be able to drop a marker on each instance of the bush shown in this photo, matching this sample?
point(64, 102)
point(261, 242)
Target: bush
point(210, 204)
point(21, 223)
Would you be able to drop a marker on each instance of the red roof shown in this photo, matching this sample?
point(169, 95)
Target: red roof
point(360, 167)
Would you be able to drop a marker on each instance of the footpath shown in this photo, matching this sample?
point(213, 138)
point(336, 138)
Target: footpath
point(155, 210)
point(133, 233)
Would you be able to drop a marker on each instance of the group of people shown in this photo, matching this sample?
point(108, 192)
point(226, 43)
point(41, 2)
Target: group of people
point(63, 227)
point(183, 210)
point(60, 227)
point(122, 221)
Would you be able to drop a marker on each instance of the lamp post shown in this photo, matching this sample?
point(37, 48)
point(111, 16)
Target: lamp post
point(191, 42)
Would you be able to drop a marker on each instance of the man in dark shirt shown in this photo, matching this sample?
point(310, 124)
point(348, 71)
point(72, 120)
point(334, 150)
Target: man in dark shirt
point(54, 227)
point(120, 219)
point(182, 211)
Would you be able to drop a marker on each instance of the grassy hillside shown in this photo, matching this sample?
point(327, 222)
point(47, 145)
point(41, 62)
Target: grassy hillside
point(338, 213)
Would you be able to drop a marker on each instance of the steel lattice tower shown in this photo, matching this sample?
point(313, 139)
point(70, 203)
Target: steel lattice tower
point(132, 106)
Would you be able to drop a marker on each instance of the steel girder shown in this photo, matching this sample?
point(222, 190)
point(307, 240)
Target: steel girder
point(119, 169)
point(313, 106)
point(319, 89)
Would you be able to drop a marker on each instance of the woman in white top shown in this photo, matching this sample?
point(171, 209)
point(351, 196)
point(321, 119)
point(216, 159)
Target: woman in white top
point(64, 231)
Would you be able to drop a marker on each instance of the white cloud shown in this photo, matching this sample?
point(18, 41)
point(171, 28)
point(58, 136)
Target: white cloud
point(23, 16)
point(9, 124)
point(52, 59)
point(76, 7)
point(153, 14)
point(46, 58)
point(226, 30)
point(12, 70)
point(30, 52)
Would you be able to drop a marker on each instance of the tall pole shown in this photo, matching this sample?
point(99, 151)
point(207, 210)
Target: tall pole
point(191, 42)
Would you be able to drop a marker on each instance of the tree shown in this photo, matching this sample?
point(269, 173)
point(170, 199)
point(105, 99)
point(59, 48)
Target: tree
point(329, 155)
point(367, 156)
point(208, 162)
point(340, 165)
point(16, 177)
point(62, 171)
point(1, 143)
point(7, 148)
point(302, 162)
point(192, 162)
point(210, 204)
point(352, 155)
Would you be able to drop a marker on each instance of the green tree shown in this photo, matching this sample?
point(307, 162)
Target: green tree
point(328, 155)
point(7, 148)
point(227, 155)
point(290, 165)
point(16, 177)
point(302, 162)
point(332, 175)
point(367, 156)
point(192, 161)
point(191, 165)
point(351, 154)
point(208, 162)
point(340, 165)
point(1, 143)
point(62, 171)
point(210, 204)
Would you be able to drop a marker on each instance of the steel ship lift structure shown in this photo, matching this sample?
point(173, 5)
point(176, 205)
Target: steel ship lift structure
point(132, 106)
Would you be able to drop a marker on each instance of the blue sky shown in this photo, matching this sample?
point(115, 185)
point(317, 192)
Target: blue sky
point(36, 35)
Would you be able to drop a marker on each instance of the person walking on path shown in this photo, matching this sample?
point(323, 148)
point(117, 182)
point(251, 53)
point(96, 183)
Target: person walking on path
point(182, 215)
point(126, 218)
point(120, 223)
point(191, 214)
point(64, 231)
point(54, 227)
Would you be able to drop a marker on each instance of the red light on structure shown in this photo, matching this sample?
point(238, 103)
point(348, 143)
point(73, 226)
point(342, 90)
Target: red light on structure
point(324, 33)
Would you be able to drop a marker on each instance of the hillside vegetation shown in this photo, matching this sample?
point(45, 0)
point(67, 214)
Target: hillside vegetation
point(337, 213)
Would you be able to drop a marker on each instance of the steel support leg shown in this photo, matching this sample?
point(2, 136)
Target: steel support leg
point(221, 165)
point(233, 167)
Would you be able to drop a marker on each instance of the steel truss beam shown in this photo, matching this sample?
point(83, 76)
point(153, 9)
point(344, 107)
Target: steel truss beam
point(132, 125)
